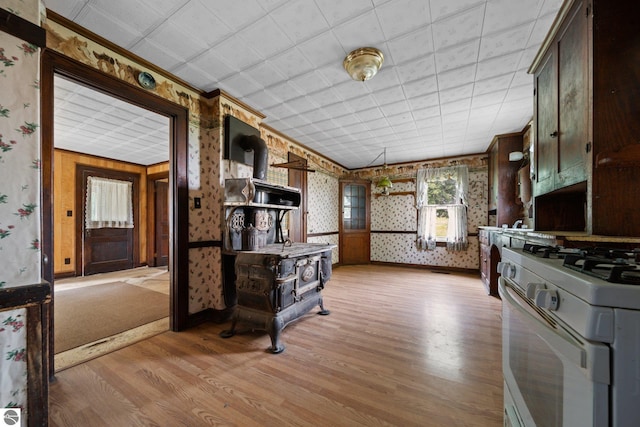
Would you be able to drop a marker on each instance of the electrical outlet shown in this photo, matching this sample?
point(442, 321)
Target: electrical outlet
point(67, 260)
point(69, 213)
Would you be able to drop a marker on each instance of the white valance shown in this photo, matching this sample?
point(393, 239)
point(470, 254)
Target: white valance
point(109, 203)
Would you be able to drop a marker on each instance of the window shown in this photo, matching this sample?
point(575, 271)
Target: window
point(354, 201)
point(109, 203)
point(441, 194)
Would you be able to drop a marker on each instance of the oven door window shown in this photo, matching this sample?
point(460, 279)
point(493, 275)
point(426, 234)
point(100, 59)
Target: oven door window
point(545, 368)
point(537, 371)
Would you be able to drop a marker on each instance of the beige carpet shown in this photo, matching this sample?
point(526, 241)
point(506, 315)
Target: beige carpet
point(90, 313)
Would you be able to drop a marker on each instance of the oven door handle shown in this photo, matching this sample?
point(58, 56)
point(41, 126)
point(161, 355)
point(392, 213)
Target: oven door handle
point(558, 339)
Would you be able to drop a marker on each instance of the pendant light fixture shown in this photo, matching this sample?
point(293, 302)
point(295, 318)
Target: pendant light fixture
point(385, 182)
point(362, 64)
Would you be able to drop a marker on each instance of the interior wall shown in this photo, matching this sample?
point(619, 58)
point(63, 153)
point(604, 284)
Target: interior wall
point(64, 194)
point(394, 218)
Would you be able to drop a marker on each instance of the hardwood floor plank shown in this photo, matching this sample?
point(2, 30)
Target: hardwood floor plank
point(402, 347)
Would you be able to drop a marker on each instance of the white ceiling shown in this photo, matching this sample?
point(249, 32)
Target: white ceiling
point(454, 73)
point(88, 121)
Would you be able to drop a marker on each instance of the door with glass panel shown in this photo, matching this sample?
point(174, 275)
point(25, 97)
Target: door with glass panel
point(355, 222)
point(108, 220)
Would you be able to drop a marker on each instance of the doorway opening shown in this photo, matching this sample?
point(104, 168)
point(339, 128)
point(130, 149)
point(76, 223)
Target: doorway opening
point(54, 67)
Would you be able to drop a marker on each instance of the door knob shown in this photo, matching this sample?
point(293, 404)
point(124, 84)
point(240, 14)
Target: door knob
point(553, 134)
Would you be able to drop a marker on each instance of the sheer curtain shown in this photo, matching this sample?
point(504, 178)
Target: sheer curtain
point(456, 238)
point(109, 203)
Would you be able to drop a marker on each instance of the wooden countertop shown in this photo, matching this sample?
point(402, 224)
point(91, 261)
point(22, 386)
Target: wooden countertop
point(576, 236)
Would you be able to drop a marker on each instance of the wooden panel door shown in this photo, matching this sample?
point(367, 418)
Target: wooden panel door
point(161, 207)
point(105, 249)
point(355, 222)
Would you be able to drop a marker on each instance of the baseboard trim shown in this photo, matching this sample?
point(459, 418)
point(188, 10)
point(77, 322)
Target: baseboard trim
point(209, 315)
point(434, 268)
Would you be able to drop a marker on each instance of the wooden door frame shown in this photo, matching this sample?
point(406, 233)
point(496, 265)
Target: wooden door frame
point(80, 211)
point(53, 63)
point(151, 214)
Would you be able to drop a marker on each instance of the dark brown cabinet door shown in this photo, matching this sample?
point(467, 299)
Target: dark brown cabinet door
point(546, 126)
point(573, 118)
point(355, 222)
point(562, 107)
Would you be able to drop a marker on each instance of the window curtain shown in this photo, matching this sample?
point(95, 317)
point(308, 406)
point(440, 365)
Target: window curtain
point(457, 209)
point(109, 203)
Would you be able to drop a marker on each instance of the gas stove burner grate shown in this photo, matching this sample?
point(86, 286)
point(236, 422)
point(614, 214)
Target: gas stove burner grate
point(548, 251)
point(613, 253)
point(614, 270)
point(543, 251)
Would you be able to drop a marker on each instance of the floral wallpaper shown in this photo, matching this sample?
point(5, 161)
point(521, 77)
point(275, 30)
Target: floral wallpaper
point(397, 212)
point(13, 339)
point(19, 195)
point(323, 202)
point(324, 210)
point(19, 162)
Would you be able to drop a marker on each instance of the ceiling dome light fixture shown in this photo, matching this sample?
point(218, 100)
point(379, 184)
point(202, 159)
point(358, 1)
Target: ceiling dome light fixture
point(362, 64)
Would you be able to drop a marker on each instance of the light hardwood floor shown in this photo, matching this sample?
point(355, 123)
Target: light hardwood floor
point(402, 347)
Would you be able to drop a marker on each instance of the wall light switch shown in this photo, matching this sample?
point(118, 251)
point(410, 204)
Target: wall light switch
point(196, 203)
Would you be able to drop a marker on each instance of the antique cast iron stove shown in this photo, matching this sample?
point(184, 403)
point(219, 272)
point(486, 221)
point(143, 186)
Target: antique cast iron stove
point(268, 280)
point(277, 284)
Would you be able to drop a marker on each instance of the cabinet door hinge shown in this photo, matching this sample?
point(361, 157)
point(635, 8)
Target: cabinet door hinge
point(587, 147)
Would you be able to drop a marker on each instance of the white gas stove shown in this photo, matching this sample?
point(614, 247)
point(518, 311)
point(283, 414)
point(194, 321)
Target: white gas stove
point(571, 336)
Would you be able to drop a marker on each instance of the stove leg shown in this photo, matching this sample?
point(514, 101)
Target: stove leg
point(228, 333)
point(323, 311)
point(274, 328)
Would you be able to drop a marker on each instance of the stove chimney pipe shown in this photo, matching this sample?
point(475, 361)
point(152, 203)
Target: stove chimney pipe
point(260, 154)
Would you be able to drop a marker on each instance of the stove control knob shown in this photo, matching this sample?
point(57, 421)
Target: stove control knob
point(507, 269)
point(547, 298)
point(532, 288)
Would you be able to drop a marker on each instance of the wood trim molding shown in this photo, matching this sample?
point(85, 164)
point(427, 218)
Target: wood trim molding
point(220, 92)
point(205, 244)
point(23, 296)
point(396, 193)
point(59, 19)
point(328, 233)
point(22, 29)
